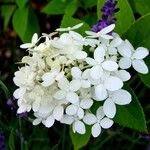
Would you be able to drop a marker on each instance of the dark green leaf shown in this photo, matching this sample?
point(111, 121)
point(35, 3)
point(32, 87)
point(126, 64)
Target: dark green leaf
point(11, 140)
point(89, 3)
point(25, 23)
point(140, 6)
point(55, 7)
point(5, 89)
point(69, 21)
point(131, 115)
point(125, 17)
point(71, 8)
point(21, 3)
point(146, 77)
point(6, 12)
point(139, 33)
point(79, 140)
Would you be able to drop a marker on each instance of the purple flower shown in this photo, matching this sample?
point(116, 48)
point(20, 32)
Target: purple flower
point(23, 115)
point(107, 11)
point(2, 144)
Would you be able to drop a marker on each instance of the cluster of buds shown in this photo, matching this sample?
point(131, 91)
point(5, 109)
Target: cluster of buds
point(64, 77)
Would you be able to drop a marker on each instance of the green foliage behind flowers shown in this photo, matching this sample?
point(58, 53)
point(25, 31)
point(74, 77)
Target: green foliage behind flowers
point(25, 18)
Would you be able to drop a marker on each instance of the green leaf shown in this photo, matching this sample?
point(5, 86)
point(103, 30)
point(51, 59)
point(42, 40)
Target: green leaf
point(146, 77)
point(5, 89)
point(140, 6)
point(131, 115)
point(125, 17)
point(139, 33)
point(25, 23)
point(21, 3)
point(89, 3)
point(11, 140)
point(71, 8)
point(79, 140)
point(6, 12)
point(55, 7)
point(69, 21)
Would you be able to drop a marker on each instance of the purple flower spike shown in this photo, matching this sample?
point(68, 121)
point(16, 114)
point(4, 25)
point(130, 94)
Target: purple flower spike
point(2, 144)
point(107, 11)
point(23, 115)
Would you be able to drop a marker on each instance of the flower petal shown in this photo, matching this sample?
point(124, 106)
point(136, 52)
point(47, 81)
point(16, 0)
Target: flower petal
point(107, 29)
point(86, 103)
point(140, 66)
point(27, 45)
point(96, 130)
point(66, 119)
point(79, 127)
point(80, 55)
point(109, 108)
point(58, 112)
point(110, 65)
point(100, 92)
point(80, 113)
point(76, 72)
point(123, 75)
point(125, 63)
point(121, 97)
point(71, 109)
point(113, 83)
point(49, 121)
point(34, 38)
point(75, 85)
point(106, 123)
point(85, 84)
point(100, 113)
point(72, 97)
point(99, 54)
point(89, 119)
point(96, 72)
point(60, 95)
point(91, 61)
point(140, 53)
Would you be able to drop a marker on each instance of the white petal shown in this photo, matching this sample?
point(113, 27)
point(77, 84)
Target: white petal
point(49, 121)
point(66, 119)
point(140, 66)
point(71, 109)
point(109, 108)
point(116, 42)
point(113, 83)
point(48, 79)
point(64, 84)
point(99, 54)
point(77, 26)
point(85, 84)
point(106, 36)
point(58, 112)
point(75, 85)
point(18, 93)
point(140, 53)
point(125, 63)
point(86, 103)
point(89, 119)
point(34, 38)
point(72, 97)
point(91, 61)
point(100, 113)
point(35, 105)
point(27, 45)
point(80, 55)
point(106, 123)
point(123, 75)
point(96, 130)
point(125, 50)
point(100, 92)
point(121, 97)
point(110, 65)
point(36, 121)
point(79, 127)
point(80, 113)
point(107, 29)
point(60, 95)
point(76, 72)
point(96, 72)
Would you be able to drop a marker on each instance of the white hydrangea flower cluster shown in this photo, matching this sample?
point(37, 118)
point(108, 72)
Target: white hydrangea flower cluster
point(64, 76)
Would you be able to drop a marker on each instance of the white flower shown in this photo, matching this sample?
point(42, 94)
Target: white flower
point(104, 33)
point(80, 78)
point(133, 57)
point(77, 125)
point(70, 28)
point(33, 42)
point(50, 77)
point(67, 91)
point(78, 108)
point(99, 63)
point(120, 97)
point(97, 121)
